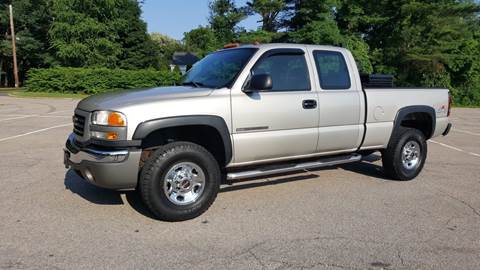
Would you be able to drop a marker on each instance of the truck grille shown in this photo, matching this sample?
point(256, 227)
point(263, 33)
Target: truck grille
point(78, 125)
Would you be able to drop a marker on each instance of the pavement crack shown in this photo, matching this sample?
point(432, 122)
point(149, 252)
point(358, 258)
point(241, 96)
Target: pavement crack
point(257, 258)
point(399, 256)
point(475, 211)
point(333, 265)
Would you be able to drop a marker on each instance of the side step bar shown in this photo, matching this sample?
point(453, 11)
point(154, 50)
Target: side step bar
point(279, 169)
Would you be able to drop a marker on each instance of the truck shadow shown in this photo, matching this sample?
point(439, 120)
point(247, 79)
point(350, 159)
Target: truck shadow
point(89, 192)
point(96, 195)
point(367, 167)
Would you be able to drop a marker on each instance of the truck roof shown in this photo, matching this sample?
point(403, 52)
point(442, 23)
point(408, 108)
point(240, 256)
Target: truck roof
point(285, 45)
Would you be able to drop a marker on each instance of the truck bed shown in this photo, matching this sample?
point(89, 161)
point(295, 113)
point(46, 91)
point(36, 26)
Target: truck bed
point(383, 105)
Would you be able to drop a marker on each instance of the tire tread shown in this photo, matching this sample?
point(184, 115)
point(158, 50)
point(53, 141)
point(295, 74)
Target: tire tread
point(155, 161)
point(391, 155)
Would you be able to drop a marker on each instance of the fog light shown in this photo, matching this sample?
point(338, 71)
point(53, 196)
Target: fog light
point(110, 136)
point(88, 175)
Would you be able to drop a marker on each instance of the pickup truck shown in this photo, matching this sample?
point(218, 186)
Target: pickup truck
point(245, 112)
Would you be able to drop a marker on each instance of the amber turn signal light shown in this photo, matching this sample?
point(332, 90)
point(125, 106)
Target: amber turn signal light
point(116, 120)
point(111, 136)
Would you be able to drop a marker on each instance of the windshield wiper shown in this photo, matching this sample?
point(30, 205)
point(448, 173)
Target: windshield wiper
point(195, 84)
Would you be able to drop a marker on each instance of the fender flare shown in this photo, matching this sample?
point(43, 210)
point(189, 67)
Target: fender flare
point(216, 122)
point(403, 112)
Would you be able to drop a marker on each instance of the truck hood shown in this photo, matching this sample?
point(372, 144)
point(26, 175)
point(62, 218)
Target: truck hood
point(125, 98)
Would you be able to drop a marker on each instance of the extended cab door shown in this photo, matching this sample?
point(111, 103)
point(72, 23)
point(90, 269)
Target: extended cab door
point(341, 101)
point(281, 122)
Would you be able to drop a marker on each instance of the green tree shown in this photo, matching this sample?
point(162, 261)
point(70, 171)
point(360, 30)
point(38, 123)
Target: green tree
point(259, 36)
point(201, 40)
point(269, 11)
point(81, 35)
point(32, 21)
point(105, 33)
point(167, 46)
point(138, 49)
point(314, 22)
point(224, 17)
point(302, 12)
point(423, 43)
point(163, 40)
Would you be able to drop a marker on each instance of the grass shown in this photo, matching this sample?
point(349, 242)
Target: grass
point(8, 89)
point(45, 94)
point(466, 106)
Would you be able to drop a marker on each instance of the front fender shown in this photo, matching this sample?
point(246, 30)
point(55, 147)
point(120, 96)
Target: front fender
point(145, 128)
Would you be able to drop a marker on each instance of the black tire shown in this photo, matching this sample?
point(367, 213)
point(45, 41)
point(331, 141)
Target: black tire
point(392, 157)
point(153, 180)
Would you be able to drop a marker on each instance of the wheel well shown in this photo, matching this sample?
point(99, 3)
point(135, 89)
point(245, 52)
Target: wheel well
point(419, 120)
point(206, 136)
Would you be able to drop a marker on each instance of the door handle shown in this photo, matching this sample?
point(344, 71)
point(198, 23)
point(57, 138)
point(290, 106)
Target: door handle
point(309, 104)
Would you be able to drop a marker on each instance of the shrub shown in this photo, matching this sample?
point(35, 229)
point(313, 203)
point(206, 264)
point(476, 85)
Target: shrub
point(96, 80)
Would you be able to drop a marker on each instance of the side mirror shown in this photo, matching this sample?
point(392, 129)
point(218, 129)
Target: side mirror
point(259, 82)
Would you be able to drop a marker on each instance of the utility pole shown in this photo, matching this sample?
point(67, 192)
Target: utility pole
point(14, 48)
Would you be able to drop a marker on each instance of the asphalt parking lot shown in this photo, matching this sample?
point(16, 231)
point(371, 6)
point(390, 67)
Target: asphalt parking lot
point(347, 217)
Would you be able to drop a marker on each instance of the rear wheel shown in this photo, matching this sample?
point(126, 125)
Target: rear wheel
point(179, 181)
point(405, 155)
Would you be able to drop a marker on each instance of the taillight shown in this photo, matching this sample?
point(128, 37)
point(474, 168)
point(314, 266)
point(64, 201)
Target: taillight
point(450, 101)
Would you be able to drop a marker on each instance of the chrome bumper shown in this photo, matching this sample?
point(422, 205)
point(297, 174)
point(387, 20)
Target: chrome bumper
point(87, 154)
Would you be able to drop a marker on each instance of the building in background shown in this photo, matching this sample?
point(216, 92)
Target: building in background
point(183, 60)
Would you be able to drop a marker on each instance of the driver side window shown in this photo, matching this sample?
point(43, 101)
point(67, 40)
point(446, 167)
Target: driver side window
point(289, 72)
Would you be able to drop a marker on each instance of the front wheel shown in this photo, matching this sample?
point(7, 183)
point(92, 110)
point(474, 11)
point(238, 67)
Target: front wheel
point(179, 181)
point(405, 155)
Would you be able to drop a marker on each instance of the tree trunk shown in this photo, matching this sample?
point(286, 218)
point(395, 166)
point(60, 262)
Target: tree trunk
point(1, 69)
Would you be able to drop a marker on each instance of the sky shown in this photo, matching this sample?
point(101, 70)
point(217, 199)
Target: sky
point(175, 17)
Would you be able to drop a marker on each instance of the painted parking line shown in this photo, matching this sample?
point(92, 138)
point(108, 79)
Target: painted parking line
point(15, 118)
point(465, 132)
point(33, 132)
point(455, 148)
point(55, 112)
point(30, 116)
point(47, 115)
point(54, 116)
point(13, 115)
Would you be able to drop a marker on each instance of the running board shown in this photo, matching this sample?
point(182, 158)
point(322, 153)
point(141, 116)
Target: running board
point(280, 169)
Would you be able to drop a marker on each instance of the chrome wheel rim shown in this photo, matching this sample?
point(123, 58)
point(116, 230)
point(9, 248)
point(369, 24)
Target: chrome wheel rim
point(411, 155)
point(184, 183)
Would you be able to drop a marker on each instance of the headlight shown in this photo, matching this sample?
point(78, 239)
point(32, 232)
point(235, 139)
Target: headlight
point(108, 125)
point(108, 118)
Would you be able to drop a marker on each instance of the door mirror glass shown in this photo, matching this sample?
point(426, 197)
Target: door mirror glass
point(259, 82)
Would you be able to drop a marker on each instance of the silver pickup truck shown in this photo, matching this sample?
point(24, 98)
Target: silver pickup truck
point(245, 112)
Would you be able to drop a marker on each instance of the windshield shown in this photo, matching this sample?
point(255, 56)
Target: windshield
point(218, 69)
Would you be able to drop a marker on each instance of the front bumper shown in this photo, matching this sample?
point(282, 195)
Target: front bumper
point(107, 168)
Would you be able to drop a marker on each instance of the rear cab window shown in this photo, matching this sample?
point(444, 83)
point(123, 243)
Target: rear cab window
point(332, 70)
